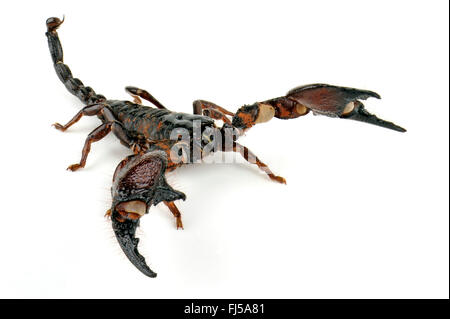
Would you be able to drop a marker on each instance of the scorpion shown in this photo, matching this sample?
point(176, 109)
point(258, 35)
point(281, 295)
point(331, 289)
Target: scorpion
point(139, 180)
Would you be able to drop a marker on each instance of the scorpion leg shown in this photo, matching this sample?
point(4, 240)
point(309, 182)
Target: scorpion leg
point(212, 110)
point(136, 93)
point(99, 133)
point(110, 123)
point(217, 115)
point(253, 159)
point(176, 213)
point(90, 110)
point(136, 99)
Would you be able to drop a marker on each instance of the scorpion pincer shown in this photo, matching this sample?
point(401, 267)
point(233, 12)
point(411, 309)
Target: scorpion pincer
point(138, 183)
point(139, 180)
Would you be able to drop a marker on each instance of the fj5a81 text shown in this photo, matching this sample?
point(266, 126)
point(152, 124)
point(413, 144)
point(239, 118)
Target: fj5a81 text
point(231, 309)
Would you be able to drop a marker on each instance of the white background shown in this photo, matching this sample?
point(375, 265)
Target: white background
point(364, 213)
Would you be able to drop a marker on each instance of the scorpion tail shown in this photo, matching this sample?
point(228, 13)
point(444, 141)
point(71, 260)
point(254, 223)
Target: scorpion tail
point(85, 93)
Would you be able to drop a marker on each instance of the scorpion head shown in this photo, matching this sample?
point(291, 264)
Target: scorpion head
point(138, 183)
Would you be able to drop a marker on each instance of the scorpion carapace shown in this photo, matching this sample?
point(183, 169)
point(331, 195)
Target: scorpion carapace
point(153, 134)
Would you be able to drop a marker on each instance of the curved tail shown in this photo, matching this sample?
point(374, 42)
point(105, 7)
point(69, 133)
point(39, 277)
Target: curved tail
point(85, 93)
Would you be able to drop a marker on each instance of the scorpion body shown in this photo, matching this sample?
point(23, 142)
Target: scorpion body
point(153, 132)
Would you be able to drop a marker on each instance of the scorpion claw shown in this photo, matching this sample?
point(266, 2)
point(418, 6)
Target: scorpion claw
point(125, 234)
point(339, 102)
point(357, 112)
point(138, 183)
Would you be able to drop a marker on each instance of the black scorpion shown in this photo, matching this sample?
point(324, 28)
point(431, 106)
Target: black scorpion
point(153, 134)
